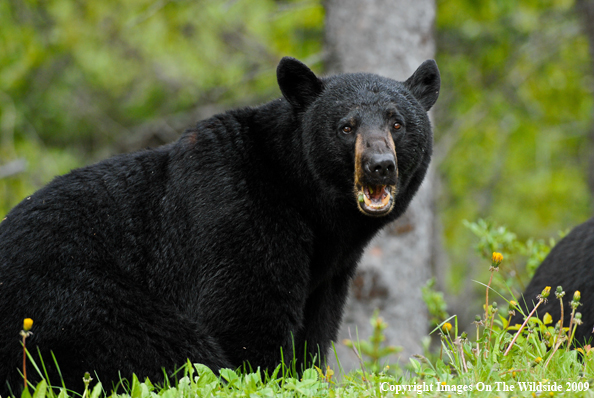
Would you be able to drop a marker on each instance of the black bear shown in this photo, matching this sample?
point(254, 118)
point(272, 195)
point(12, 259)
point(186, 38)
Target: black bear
point(227, 247)
point(570, 264)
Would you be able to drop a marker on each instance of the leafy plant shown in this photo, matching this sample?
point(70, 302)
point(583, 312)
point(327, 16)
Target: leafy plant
point(373, 350)
point(520, 254)
point(436, 304)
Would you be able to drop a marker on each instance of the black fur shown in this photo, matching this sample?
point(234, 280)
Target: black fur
point(222, 247)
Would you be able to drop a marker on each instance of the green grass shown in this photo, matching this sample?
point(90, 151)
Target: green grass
point(491, 362)
point(494, 374)
point(463, 367)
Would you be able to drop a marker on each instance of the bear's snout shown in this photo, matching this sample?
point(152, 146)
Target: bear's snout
point(381, 168)
point(378, 159)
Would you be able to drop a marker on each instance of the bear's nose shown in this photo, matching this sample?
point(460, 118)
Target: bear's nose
point(381, 165)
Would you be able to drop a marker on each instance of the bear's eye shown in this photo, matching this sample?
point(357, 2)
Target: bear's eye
point(397, 126)
point(347, 129)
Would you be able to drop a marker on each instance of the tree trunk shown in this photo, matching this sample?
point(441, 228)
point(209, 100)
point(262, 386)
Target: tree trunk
point(585, 8)
point(390, 38)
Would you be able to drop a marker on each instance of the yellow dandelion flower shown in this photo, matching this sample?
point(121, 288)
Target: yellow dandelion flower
point(538, 360)
point(497, 259)
point(545, 293)
point(27, 324)
point(577, 296)
point(446, 327)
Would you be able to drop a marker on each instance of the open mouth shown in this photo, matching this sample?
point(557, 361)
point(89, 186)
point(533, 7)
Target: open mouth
point(375, 200)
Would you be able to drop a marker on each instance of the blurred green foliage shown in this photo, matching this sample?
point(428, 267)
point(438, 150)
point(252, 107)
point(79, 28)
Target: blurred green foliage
point(517, 254)
point(435, 302)
point(511, 122)
point(76, 76)
point(373, 351)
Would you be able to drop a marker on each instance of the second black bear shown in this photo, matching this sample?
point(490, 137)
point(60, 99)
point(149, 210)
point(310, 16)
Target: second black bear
point(225, 247)
point(570, 264)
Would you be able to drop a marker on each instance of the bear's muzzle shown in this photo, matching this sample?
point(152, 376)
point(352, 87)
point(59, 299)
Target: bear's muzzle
point(376, 173)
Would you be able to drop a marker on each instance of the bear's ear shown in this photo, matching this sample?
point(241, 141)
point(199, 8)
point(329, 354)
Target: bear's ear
point(299, 85)
point(424, 83)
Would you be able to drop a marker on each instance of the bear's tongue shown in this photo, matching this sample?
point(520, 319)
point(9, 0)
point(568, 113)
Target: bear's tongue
point(376, 196)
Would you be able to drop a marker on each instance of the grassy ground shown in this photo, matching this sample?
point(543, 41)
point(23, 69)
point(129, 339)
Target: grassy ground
point(517, 375)
point(537, 364)
point(499, 360)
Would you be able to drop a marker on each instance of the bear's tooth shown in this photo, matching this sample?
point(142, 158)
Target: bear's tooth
point(367, 201)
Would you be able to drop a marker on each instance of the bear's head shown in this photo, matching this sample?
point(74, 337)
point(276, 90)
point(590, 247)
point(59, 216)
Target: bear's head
point(365, 137)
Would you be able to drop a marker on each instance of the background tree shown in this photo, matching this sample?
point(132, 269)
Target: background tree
point(391, 38)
